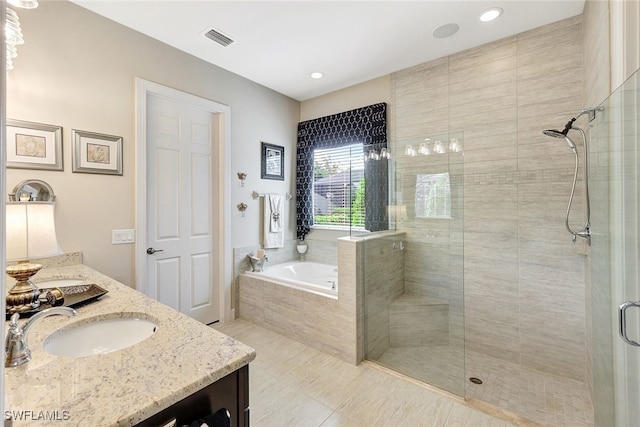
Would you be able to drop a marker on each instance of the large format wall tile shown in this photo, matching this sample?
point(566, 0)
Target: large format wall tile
point(523, 277)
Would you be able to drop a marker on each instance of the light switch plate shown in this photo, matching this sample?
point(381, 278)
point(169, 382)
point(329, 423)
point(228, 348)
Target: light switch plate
point(123, 237)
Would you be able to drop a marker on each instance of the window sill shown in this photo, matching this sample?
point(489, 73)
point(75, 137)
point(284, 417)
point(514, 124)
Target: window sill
point(333, 227)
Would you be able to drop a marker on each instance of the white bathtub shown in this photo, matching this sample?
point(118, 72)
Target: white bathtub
point(321, 279)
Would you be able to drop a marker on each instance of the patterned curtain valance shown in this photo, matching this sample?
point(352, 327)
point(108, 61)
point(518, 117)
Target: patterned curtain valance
point(367, 125)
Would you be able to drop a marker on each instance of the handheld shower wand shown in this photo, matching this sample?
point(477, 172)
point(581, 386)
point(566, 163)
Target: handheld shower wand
point(585, 232)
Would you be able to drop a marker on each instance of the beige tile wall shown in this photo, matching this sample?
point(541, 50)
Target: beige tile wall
point(383, 276)
point(524, 280)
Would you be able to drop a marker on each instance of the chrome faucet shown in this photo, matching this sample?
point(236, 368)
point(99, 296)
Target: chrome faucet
point(257, 264)
point(16, 350)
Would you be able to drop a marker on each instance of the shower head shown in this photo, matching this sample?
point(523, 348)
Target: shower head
point(554, 133)
point(557, 134)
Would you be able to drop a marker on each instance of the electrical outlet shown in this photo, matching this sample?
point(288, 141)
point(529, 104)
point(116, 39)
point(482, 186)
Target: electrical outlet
point(123, 237)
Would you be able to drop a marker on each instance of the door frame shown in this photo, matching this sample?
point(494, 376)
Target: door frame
point(221, 153)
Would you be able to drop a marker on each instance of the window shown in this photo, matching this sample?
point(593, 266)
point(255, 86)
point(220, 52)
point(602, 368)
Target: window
point(433, 196)
point(338, 187)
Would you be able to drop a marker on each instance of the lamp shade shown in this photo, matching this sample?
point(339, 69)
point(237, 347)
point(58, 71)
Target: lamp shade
point(31, 231)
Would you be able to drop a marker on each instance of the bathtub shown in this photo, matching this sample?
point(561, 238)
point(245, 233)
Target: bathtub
point(320, 279)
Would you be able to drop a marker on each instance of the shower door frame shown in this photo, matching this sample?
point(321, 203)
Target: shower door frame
point(625, 283)
point(614, 256)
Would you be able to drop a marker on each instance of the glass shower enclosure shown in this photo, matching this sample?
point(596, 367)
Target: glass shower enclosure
point(615, 257)
point(413, 279)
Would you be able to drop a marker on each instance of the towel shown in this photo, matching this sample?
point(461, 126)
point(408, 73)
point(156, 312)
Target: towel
point(275, 203)
point(273, 220)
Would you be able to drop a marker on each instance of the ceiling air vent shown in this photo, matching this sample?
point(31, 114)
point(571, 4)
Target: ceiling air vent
point(218, 37)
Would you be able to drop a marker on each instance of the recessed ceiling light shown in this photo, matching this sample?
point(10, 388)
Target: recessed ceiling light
point(491, 14)
point(446, 30)
point(317, 75)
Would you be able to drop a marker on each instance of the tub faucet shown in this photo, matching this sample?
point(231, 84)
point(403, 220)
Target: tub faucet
point(16, 350)
point(257, 263)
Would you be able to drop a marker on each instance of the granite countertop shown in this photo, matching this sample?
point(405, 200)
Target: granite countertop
point(127, 386)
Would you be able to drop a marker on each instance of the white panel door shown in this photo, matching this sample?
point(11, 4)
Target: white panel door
point(180, 254)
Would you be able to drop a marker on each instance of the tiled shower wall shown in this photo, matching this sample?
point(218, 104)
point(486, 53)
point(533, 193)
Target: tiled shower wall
point(523, 277)
point(384, 279)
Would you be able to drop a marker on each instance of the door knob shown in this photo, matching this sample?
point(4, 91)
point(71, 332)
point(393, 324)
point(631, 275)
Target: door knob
point(151, 251)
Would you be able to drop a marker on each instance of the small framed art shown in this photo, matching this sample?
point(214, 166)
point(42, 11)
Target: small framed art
point(34, 146)
point(272, 162)
point(96, 153)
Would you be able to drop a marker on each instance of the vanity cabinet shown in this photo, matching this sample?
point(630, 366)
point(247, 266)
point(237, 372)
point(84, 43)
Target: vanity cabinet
point(230, 392)
point(172, 369)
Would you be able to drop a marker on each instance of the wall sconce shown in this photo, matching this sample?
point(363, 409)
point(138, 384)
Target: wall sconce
point(242, 207)
point(31, 233)
point(242, 176)
point(439, 148)
point(427, 148)
point(373, 154)
point(410, 151)
point(454, 145)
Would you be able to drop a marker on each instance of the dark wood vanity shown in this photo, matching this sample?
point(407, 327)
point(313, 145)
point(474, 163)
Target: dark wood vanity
point(230, 392)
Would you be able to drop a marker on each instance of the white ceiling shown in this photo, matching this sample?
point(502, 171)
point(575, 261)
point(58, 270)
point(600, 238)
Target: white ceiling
point(279, 43)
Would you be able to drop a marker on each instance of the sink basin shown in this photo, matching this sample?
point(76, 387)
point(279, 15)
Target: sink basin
point(98, 337)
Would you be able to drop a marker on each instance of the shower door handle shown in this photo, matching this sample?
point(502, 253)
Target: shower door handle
point(622, 317)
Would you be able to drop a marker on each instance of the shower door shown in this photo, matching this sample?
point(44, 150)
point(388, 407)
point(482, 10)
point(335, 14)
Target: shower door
point(615, 255)
point(413, 279)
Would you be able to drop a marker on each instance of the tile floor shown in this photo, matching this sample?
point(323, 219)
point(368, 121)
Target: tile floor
point(439, 365)
point(535, 395)
point(292, 385)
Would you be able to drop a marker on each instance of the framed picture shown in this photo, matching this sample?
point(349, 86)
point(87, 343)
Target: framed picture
point(272, 162)
point(34, 146)
point(96, 153)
